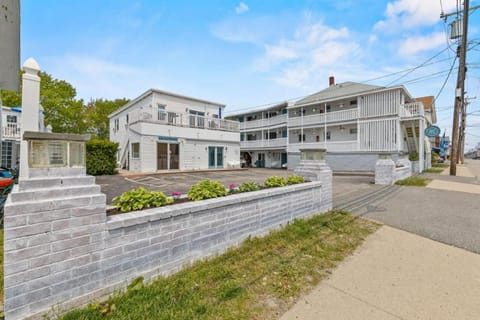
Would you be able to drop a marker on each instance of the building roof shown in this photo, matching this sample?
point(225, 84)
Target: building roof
point(251, 111)
point(151, 91)
point(339, 90)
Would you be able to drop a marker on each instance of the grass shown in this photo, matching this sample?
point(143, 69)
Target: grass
point(440, 165)
point(260, 279)
point(434, 170)
point(413, 182)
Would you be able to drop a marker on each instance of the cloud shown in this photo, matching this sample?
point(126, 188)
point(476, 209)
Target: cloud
point(410, 14)
point(241, 8)
point(416, 44)
point(256, 30)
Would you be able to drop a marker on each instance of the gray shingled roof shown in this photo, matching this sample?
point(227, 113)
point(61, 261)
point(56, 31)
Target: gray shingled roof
point(339, 90)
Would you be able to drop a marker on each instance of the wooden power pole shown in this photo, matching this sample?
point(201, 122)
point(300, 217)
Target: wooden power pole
point(459, 92)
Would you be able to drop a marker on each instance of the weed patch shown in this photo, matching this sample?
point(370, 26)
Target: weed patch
point(413, 182)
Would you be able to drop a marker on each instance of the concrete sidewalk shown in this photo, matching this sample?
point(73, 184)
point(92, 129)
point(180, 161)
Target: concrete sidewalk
point(397, 275)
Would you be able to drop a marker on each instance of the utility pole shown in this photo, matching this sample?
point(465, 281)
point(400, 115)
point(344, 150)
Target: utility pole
point(459, 91)
point(463, 125)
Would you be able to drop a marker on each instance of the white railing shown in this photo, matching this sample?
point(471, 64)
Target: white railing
point(186, 120)
point(330, 146)
point(409, 110)
point(269, 143)
point(319, 119)
point(11, 130)
point(261, 123)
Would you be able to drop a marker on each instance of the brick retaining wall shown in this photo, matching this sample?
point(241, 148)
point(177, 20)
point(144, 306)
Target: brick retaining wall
point(61, 249)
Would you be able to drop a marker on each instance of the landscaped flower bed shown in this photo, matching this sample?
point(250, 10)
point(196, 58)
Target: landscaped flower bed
point(139, 199)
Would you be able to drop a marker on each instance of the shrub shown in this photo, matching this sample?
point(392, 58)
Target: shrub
point(295, 179)
point(275, 181)
point(101, 157)
point(138, 199)
point(249, 186)
point(207, 189)
point(413, 156)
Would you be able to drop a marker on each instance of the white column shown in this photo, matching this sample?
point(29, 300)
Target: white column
point(421, 146)
point(30, 108)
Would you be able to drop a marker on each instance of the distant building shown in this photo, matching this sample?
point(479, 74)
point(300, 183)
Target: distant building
point(10, 136)
point(160, 130)
point(353, 121)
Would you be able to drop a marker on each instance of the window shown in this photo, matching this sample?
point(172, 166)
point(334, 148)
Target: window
point(328, 135)
point(161, 112)
point(353, 131)
point(353, 102)
point(135, 150)
point(301, 137)
point(11, 118)
point(328, 107)
point(116, 125)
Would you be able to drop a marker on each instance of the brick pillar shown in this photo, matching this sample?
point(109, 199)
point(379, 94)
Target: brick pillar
point(385, 169)
point(313, 167)
point(54, 231)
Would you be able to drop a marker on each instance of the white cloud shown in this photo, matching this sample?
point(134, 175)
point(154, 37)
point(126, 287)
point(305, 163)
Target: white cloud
point(408, 14)
point(241, 8)
point(416, 44)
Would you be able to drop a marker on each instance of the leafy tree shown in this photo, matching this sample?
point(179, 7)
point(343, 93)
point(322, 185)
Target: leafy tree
point(97, 115)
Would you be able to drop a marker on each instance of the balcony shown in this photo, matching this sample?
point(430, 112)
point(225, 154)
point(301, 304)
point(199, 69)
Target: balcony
point(185, 120)
point(331, 146)
point(319, 119)
point(411, 110)
point(11, 131)
point(264, 123)
point(264, 144)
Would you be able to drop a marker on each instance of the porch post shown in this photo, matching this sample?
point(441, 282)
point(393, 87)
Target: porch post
point(421, 146)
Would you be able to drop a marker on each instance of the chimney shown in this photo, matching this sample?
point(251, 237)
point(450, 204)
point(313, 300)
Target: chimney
point(331, 81)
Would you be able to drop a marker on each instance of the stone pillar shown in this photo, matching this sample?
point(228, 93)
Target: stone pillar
point(54, 227)
point(30, 108)
point(314, 168)
point(403, 160)
point(385, 169)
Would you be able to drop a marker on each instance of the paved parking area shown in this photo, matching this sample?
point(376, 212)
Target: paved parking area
point(343, 186)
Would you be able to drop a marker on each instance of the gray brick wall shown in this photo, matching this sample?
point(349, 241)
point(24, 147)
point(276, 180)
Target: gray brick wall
point(387, 172)
point(61, 249)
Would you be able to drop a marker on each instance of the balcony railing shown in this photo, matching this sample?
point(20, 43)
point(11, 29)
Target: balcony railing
point(267, 122)
point(185, 120)
point(268, 143)
point(411, 110)
point(329, 117)
point(330, 146)
point(11, 130)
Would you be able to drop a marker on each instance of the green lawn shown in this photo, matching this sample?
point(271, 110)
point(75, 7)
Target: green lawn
point(413, 182)
point(260, 279)
point(434, 170)
point(440, 165)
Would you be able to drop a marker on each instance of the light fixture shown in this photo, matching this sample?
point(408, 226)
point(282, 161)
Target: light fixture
point(314, 110)
point(342, 128)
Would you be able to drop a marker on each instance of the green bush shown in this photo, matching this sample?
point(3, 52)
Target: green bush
point(101, 157)
point(275, 181)
point(295, 179)
point(207, 189)
point(249, 186)
point(413, 156)
point(138, 199)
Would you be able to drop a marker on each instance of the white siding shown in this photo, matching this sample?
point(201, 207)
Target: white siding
point(379, 104)
point(194, 154)
point(148, 154)
point(378, 135)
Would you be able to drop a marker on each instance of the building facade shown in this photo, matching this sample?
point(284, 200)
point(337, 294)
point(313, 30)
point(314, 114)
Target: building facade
point(354, 122)
point(160, 130)
point(10, 137)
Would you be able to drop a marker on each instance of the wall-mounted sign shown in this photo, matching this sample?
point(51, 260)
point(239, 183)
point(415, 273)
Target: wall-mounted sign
point(171, 139)
point(432, 131)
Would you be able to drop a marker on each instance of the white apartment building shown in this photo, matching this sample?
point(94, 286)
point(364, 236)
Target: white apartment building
point(10, 136)
point(160, 130)
point(354, 122)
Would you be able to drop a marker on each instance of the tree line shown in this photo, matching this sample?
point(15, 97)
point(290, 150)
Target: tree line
point(64, 112)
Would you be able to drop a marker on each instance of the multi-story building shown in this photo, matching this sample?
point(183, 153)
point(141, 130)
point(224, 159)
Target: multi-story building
point(10, 136)
point(354, 122)
point(160, 130)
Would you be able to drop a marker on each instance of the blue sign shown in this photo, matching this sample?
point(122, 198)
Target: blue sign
point(432, 131)
point(173, 139)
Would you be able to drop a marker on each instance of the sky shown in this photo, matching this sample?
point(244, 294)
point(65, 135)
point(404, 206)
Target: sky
point(248, 54)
